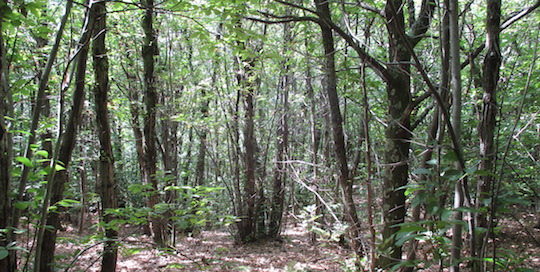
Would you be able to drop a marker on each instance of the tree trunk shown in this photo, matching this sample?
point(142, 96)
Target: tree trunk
point(41, 101)
point(278, 190)
point(169, 141)
point(315, 133)
point(398, 136)
point(487, 126)
point(106, 161)
point(435, 130)
point(8, 263)
point(246, 83)
point(200, 168)
point(457, 243)
point(150, 49)
point(398, 133)
point(345, 182)
point(369, 173)
point(84, 201)
point(55, 192)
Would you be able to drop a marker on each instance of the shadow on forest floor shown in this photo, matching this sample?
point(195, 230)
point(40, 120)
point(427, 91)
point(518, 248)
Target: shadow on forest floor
point(216, 251)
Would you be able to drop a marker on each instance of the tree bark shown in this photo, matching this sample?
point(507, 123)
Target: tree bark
point(398, 136)
point(200, 168)
point(8, 263)
point(278, 189)
point(84, 201)
point(169, 141)
point(47, 237)
point(345, 181)
point(315, 133)
point(150, 49)
point(398, 133)
point(41, 101)
point(487, 126)
point(457, 243)
point(246, 84)
point(106, 160)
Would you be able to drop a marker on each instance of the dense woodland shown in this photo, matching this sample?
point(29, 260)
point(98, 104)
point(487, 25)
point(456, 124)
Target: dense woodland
point(404, 132)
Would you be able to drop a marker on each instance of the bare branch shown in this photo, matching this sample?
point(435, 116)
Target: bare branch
point(370, 8)
point(372, 62)
point(296, 6)
point(285, 20)
point(507, 23)
point(421, 24)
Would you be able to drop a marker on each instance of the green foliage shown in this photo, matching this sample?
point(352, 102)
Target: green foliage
point(508, 260)
point(3, 253)
point(194, 209)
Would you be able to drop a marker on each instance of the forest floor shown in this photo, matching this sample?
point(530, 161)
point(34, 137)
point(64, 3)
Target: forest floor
point(216, 251)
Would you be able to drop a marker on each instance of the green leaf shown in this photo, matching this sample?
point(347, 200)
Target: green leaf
point(422, 171)
point(3, 253)
point(25, 161)
point(67, 202)
point(451, 156)
point(42, 153)
point(22, 205)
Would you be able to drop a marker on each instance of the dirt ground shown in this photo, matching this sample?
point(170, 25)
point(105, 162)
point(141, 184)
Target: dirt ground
point(216, 251)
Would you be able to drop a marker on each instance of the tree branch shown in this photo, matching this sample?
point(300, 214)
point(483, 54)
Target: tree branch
point(421, 24)
point(370, 8)
point(285, 19)
point(507, 23)
point(371, 61)
point(296, 6)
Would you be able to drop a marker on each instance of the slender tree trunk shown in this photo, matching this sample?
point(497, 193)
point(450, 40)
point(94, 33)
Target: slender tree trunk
point(278, 189)
point(345, 182)
point(7, 264)
point(457, 243)
point(398, 136)
point(138, 135)
point(200, 168)
point(235, 155)
point(186, 165)
point(150, 49)
point(486, 129)
point(315, 133)
point(169, 140)
point(106, 161)
point(41, 105)
point(46, 242)
point(369, 174)
point(45, 137)
point(84, 202)
point(136, 129)
point(246, 84)
point(436, 127)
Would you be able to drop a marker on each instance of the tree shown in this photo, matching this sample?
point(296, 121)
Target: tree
point(456, 122)
point(345, 181)
point(107, 178)
point(282, 143)
point(488, 125)
point(267, 125)
point(149, 51)
point(246, 77)
point(41, 103)
point(6, 262)
point(46, 242)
